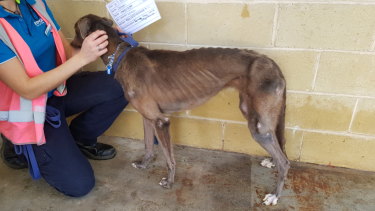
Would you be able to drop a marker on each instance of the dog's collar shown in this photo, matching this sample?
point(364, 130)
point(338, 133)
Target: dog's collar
point(122, 55)
point(129, 39)
point(111, 58)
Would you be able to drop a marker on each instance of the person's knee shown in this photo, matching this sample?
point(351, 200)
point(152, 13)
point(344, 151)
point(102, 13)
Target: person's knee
point(82, 189)
point(76, 181)
point(78, 187)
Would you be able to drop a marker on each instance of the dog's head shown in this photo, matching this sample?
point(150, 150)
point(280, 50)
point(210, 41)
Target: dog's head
point(88, 24)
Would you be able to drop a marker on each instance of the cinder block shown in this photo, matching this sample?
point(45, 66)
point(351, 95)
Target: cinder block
point(332, 113)
point(230, 24)
point(128, 124)
point(168, 47)
point(169, 29)
point(326, 26)
point(237, 138)
point(225, 105)
point(293, 144)
point(339, 150)
point(364, 118)
point(196, 133)
point(67, 12)
point(346, 73)
point(298, 67)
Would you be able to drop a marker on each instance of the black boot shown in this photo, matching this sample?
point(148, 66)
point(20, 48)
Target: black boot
point(9, 156)
point(99, 151)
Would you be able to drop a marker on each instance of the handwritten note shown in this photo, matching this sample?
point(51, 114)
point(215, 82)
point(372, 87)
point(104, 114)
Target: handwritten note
point(133, 15)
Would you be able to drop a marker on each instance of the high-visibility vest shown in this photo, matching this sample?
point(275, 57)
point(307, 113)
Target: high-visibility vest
point(22, 120)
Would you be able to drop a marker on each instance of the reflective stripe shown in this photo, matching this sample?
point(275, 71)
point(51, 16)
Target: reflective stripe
point(22, 116)
point(4, 115)
point(25, 114)
point(61, 88)
point(5, 38)
point(40, 8)
point(25, 104)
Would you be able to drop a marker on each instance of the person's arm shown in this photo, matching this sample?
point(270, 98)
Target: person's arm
point(69, 50)
point(13, 74)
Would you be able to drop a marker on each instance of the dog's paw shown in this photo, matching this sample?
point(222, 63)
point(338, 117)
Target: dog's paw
point(138, 165)
point(164, 183)
point(267, 163)
point(270, 199)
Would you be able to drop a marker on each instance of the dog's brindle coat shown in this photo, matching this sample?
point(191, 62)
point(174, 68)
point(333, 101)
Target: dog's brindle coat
point(158, 82)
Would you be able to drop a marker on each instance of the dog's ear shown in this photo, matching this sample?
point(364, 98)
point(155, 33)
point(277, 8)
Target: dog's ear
point(83, 26)
point(107, 21)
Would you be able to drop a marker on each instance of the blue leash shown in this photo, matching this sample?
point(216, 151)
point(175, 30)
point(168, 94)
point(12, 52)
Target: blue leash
point(28, 152)
point(53, 118)
point(133, 43)
point(129, 39)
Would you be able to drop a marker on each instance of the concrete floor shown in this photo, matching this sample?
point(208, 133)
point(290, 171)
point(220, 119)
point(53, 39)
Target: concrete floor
point(205, 180)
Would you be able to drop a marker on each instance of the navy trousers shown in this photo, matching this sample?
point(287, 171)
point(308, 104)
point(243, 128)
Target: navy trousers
point(98, 99)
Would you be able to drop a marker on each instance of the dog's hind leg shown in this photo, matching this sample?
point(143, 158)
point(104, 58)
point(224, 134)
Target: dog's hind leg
point(262, 101)
point(161, 126)
point(267, 162)
point(149, 145)
point(262, 128)
point(269, 142)
point(280, 134)
point(264, 133)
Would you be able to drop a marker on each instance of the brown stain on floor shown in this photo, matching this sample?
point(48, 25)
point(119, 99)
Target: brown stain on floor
point(309, 183)
point(186, 184)
point(311, 187)
point(208, 179)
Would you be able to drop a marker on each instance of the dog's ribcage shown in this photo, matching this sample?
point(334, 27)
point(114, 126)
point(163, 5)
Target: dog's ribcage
point(181, 80)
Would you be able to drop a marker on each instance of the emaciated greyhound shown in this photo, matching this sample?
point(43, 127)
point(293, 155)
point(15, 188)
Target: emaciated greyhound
point(159, 82)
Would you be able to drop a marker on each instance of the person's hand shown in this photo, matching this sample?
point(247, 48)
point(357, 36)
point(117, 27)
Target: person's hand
point(94, 46)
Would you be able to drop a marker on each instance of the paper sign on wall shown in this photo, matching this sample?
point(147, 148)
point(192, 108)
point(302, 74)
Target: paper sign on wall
point(133, 15)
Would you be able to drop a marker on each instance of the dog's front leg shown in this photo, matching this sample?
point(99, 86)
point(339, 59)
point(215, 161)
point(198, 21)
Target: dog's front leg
point(149, 145)
point(162, 132)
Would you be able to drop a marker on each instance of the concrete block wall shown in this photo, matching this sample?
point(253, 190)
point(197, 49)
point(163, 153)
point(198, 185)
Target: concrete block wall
point(325, 48)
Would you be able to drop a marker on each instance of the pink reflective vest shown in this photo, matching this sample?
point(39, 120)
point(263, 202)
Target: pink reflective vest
point(22, 120)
